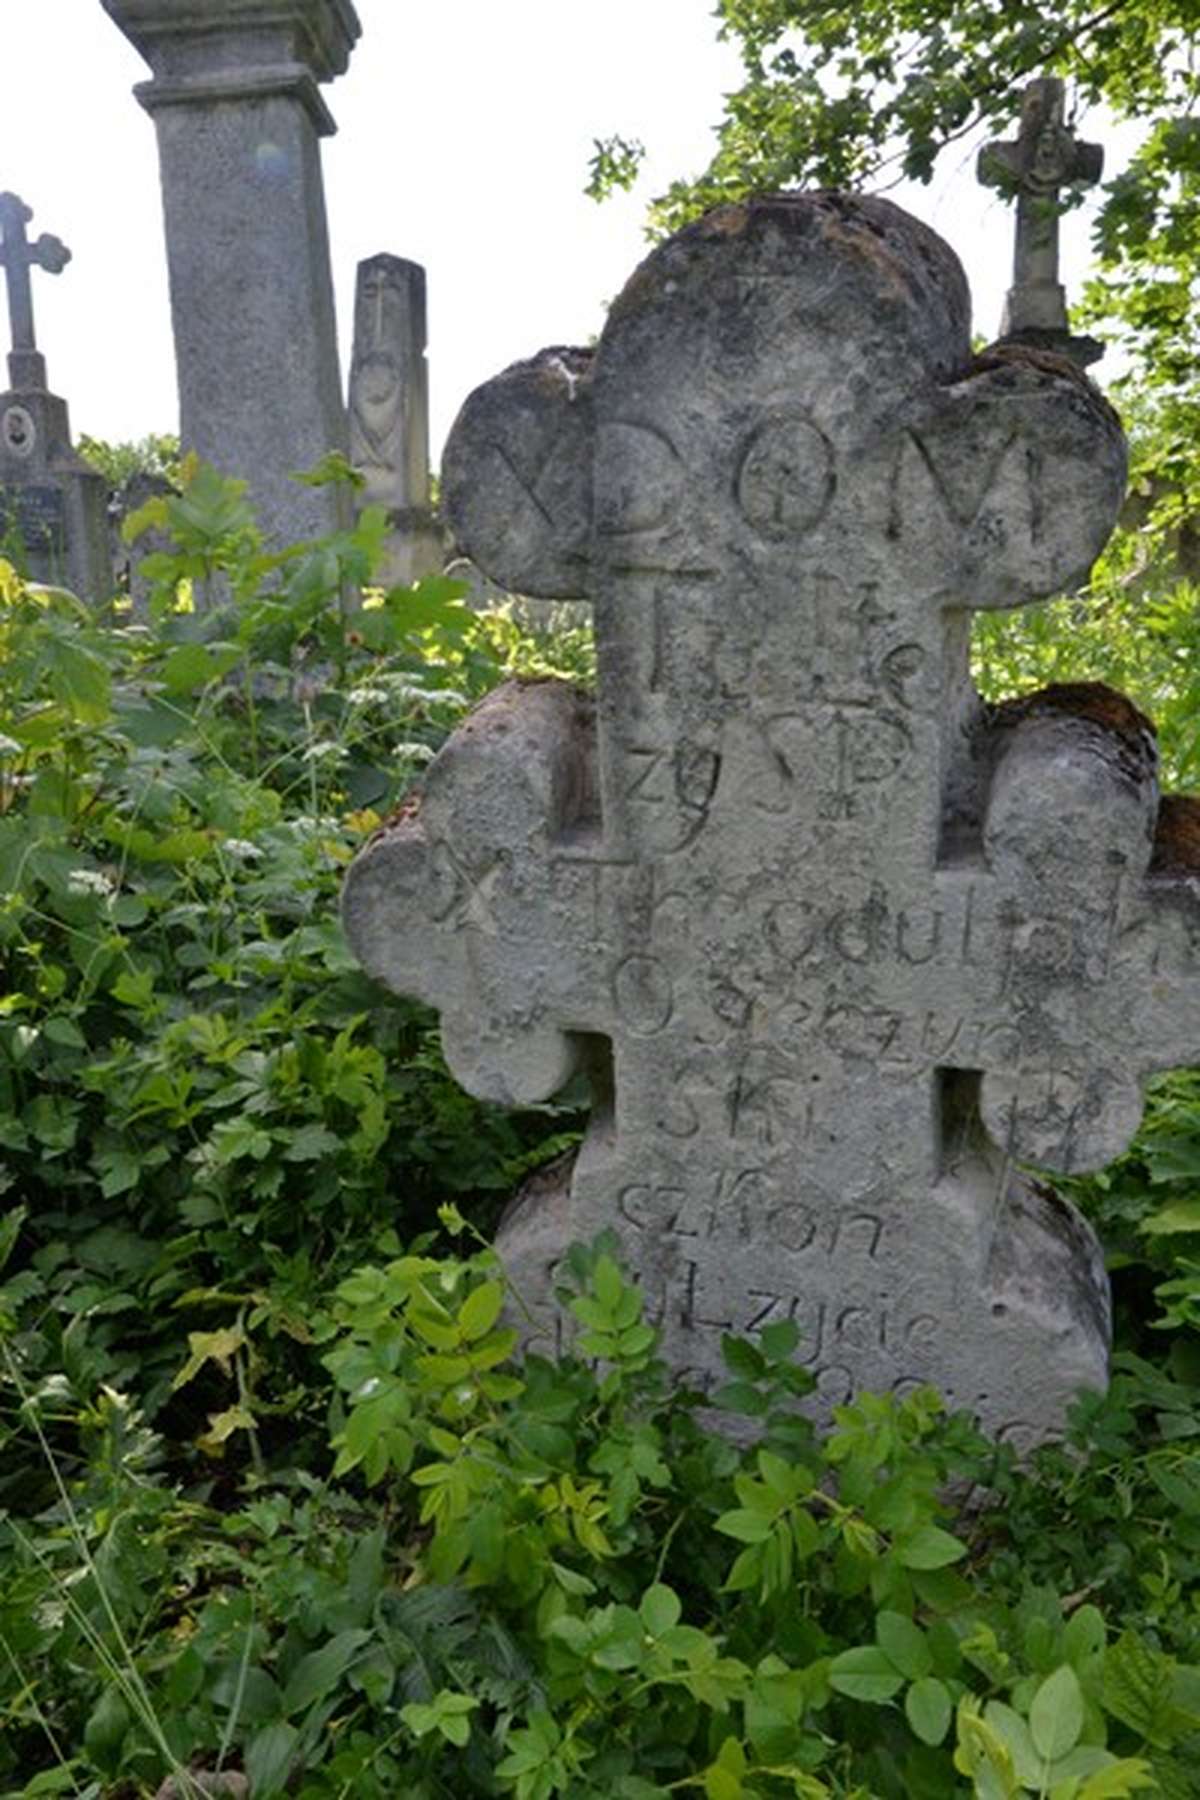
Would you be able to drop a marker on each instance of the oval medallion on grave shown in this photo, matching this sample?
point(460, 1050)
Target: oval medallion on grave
point(19, 431)
point(786, 477)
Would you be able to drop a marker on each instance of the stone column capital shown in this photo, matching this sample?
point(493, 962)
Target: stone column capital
point(208, 50)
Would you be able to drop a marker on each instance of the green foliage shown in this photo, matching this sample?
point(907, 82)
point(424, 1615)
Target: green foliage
point(614, 166)
point(203, 1102)
point(533, 1580)
point(835, 95)
point(156, 454)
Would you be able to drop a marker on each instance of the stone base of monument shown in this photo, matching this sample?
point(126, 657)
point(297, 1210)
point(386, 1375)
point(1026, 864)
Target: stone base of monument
point(1009, 1322)
point(413, 548)
point(52, 505)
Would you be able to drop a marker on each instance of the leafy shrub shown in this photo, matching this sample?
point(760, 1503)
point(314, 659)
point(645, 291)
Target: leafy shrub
point(204, 1103)
point(554, 1580)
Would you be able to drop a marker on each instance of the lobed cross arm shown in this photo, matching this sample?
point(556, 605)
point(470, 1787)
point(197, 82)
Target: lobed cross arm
point(17, 257)
point(453, 902)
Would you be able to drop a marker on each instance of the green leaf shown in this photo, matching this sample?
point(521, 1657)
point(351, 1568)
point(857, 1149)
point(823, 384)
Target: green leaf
point(1131, 1775)
point(186, 1677)
point(929, 1548)
point(310, 1143)
point(10, 1225)
point(480, 1310)
point(746, 1526)
point(1179, 1216)
point(119, 1171)
point(319, 1673)
point(746, 1572)
point(778, 1341)
point(865, 1674)
point(217, 1346)
point(1008, 1725)
point(904, 1644)
point(1084, 1640)
point(250, 1694)
point(1056, 1714)
point(269, 1758)
point(62, 1030)
point(1138, 1688)
point(660, 1609)
point(983, 1755)
point(106, 1730)
point(929, 1709)
point(742, 1358)
point(191, 666)
point(608, 1285)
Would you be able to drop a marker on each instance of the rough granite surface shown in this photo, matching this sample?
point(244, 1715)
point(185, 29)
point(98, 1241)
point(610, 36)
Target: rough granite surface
point(838, 947)
point(239, 117)
point(389, 413)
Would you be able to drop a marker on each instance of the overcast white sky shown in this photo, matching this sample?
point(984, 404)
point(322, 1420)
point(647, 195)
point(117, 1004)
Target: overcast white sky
point(465, 129)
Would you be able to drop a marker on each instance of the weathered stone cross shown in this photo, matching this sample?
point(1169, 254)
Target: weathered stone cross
point(27, 369)
point(836, 944)
point(1043, 159)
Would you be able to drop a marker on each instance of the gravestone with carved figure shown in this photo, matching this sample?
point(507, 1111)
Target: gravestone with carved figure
point(52, 517)
point(389, 413)
point(840, 948)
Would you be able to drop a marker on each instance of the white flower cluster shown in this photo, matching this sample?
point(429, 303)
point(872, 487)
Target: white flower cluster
point(91, 881)
point(241, 849)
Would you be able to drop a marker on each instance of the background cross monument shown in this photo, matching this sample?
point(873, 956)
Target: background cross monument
point(51, 504)
point(1043, 159)
point(26, 368)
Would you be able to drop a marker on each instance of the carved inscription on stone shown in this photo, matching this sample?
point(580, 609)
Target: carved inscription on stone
point(839, 948)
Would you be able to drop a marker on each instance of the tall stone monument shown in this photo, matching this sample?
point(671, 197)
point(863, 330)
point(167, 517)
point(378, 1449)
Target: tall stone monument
point(839, 946)
point(51, 503)
point(389, 412)
point(1035, 167)
point(237, 106)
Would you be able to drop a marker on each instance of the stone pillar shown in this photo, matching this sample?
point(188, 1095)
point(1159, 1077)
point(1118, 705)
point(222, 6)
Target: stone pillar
point(239, 114)
point(389, 412)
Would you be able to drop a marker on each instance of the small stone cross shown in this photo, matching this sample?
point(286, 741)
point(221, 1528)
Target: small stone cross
point(27, 369)
point(837, 946)
point(1043, 159)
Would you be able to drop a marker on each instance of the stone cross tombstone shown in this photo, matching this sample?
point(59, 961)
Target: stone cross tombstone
point(51, 504)
point(389, 412)
point(238, 112)
point(838, 946)
point(1042, 160)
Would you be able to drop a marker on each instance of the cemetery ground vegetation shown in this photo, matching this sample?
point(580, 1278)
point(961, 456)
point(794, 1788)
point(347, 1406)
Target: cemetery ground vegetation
point(280, 1513)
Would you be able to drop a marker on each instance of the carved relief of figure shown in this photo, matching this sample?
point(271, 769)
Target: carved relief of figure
point(389, 430)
